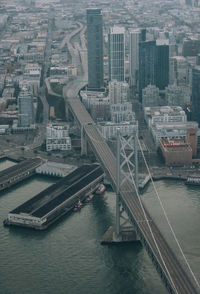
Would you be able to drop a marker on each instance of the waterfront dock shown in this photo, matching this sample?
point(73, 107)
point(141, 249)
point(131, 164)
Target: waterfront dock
point(55, 169)
point(19, 172)
point(49, 205)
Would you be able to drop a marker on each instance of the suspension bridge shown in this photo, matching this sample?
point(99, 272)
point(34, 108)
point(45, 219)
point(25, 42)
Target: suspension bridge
point(171, 271)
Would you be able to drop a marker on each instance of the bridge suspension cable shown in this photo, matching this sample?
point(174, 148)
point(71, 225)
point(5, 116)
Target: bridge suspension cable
point(167, 219)
point(165, 214)
point(147, 221)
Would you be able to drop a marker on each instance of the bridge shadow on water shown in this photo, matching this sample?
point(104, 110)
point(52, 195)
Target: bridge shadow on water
point(102, 214)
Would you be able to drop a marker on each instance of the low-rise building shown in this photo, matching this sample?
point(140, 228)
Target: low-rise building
point(122, 112)
point(171, 130)
point(150, 96)
point(58, 70)
point(97, 103)
point(164, 114)
point(176, 95)
point(57, 137)
point(109, 129)
point(32, 76)
point(176, 152)
point(118, 92)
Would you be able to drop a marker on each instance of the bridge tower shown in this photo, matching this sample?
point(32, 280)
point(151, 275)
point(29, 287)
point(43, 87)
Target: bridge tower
point(127, 170)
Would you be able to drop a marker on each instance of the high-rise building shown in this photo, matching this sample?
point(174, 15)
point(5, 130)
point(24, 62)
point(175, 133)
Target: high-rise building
point(25, 108)
point(95, 49)
point(176, 96)
point(147, 55)
point(150, 96)
point(118, 92)
point(178, 73)
point(196, 94)
point(153, 64)
point(191, 47)
point(97, 103)
point(173, 50)
point(162, 64)
point(143, 35)
point(198, 59)
point(135, 38)
point(116, 53)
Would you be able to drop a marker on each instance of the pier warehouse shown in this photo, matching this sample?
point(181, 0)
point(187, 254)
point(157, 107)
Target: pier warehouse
point(47, 206)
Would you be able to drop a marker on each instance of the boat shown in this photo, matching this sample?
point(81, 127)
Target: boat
point(193, 181)
point(89, 198)
point(101, 189)
point(78, 206)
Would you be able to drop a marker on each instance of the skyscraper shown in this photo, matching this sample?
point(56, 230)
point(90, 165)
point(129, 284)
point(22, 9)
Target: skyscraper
point(153, 64)
point(116, 53)
point(25, 108)
point(162, 64)
point(95, 49)
point(147, 55)
point(196, 94)
point(135, 37)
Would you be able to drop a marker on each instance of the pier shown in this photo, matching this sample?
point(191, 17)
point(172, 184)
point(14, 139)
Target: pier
point(49, 205)
point(19, 172)
point(55, 169)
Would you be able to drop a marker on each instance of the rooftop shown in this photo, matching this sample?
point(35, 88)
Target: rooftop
point(175, 145)
point(164, 110)
point(117, 30)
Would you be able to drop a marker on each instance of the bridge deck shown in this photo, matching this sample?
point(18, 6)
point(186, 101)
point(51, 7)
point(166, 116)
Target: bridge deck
point(170, 269)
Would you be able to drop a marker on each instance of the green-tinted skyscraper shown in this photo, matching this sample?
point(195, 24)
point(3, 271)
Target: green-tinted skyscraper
point(95, 49)
point(195, 98)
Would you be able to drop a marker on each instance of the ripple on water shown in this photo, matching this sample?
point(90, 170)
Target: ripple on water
point(68, 257)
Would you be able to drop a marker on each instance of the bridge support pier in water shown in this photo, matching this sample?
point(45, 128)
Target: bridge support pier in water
point(125, 236)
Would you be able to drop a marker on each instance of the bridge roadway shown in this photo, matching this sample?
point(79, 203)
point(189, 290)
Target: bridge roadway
point(16, 173)
point(169, 268)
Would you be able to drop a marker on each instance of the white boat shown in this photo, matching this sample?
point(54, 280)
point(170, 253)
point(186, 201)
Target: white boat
point(101, 189)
